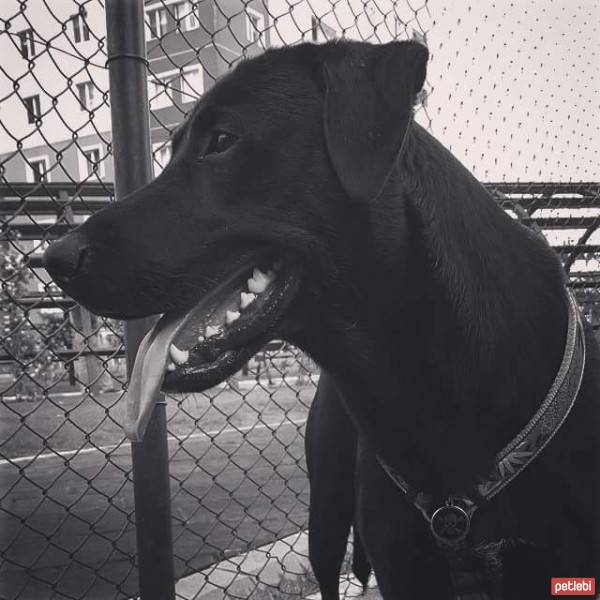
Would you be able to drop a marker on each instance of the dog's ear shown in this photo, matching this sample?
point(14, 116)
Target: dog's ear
point(369, 95)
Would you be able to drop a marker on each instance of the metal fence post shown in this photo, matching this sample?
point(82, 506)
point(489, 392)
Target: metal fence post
point(133, 168)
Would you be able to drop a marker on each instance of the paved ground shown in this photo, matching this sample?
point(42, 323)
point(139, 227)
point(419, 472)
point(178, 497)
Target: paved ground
point(68, 532)
point(258, 575)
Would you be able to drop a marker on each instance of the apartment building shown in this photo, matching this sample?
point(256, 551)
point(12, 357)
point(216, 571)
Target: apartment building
point(54, 104)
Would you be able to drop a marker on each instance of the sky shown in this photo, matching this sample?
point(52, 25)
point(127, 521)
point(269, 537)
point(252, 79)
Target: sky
point(516, 87)
point(513, 86)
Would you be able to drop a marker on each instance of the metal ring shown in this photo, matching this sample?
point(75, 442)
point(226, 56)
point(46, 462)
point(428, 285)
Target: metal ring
point(134, 56)
point(450, 524)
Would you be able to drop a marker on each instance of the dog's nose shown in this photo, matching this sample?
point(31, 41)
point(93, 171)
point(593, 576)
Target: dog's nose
point(63, 259)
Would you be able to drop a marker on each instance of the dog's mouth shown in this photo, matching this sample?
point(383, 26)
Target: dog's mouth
point(193, 350)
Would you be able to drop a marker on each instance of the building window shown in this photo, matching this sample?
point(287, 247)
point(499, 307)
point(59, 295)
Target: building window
point(160, 91)
point(255, 26)
point(26, 43)
point(185, 14)
point(192, 83)
point(37, 169)
point(85, 93)
point(91, 162)
point(162, 155)
point(156, 23)
point(81, 31)
point(32, 105)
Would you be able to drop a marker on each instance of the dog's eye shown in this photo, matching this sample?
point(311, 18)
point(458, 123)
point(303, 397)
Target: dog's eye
point(219, 142)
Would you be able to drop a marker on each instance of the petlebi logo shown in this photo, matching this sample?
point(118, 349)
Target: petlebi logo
point(573, 586)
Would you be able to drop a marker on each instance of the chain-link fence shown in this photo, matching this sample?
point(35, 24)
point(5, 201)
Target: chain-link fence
point(506, 91)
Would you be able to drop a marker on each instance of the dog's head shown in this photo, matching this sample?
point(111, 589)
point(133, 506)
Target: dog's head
point(258, 209)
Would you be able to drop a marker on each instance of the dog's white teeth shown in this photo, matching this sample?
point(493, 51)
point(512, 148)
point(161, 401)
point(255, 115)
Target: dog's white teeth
point(171, 366)
point(211, 331)
point(201, 338)
point(259, 281)
point(257, 286)
point(231, 316)
point(178, 356)
point(246, 299)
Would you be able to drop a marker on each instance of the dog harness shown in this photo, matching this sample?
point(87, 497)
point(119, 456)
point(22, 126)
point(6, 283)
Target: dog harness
point(476, 572)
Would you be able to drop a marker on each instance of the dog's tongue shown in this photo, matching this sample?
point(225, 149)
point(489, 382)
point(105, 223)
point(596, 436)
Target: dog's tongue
point(153, 355)
point(185, 328)
point(148, 373)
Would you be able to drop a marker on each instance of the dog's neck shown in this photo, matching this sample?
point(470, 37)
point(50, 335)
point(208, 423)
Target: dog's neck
point(472, 306)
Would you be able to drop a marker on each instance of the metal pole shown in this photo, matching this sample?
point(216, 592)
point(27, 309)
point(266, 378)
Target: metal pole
point(133, 168)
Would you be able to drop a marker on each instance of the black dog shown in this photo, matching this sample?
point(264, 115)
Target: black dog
point(441, 322)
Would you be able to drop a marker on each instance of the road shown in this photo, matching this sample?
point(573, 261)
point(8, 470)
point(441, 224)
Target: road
point(68, 532)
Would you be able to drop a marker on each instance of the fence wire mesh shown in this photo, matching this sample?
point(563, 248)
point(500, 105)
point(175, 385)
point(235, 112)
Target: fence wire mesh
point(506, 92)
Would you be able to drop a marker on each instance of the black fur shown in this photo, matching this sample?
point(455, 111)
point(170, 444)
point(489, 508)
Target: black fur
point(331, 442)
point(441, 321)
